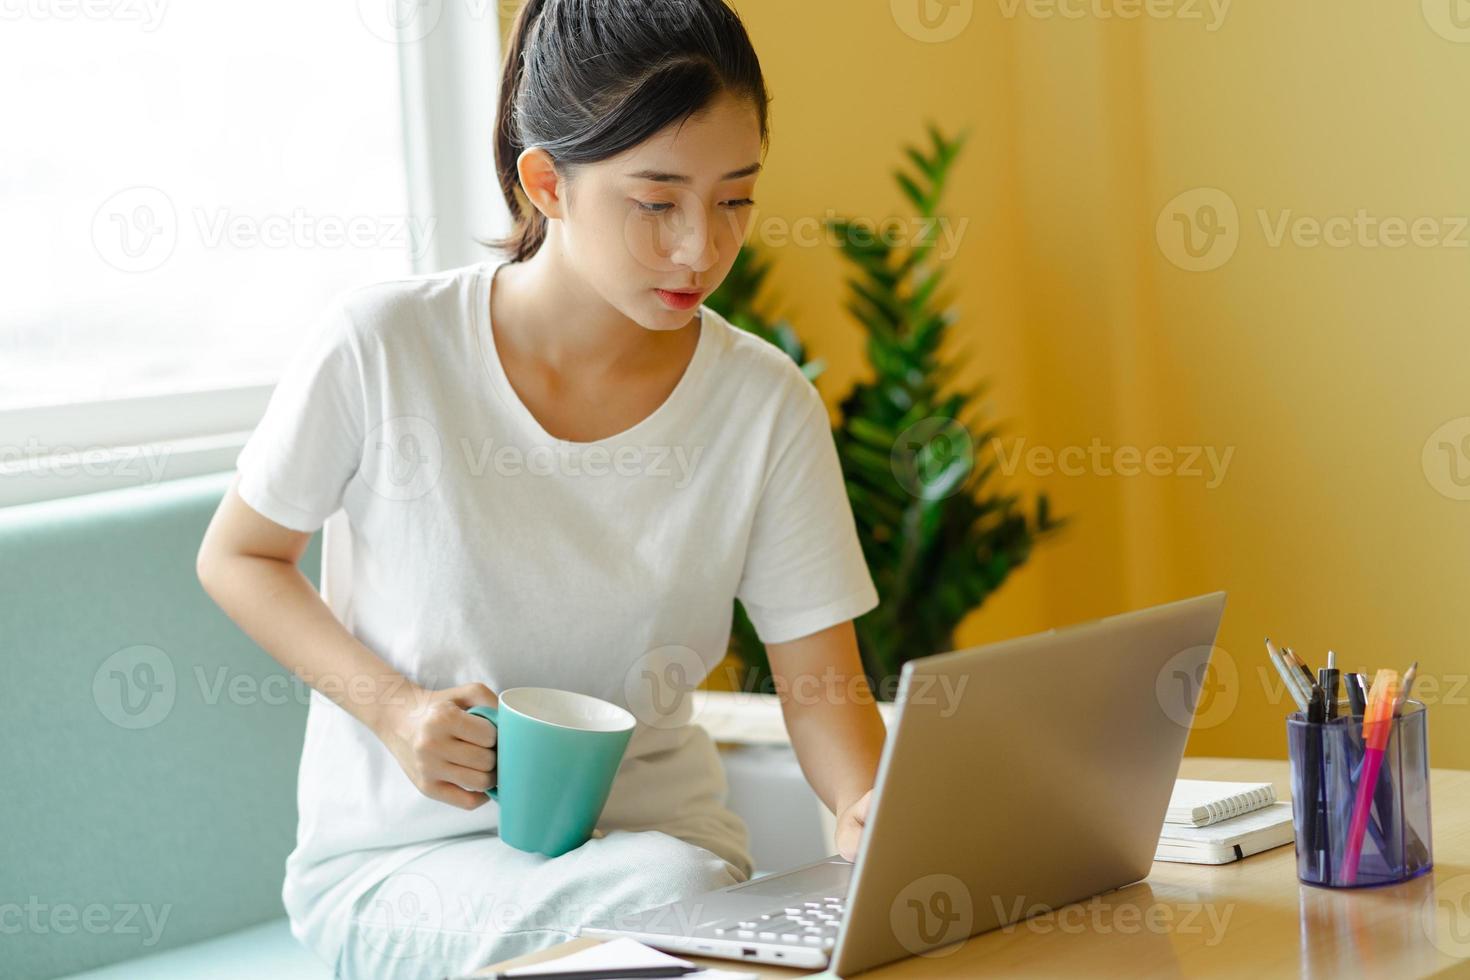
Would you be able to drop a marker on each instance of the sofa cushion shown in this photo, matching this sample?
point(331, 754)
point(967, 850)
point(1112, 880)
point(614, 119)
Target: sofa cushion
point(149, 746)
point(263, 951)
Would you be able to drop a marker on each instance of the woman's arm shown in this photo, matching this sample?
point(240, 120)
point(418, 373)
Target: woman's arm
point(247, 564)
point(833, 721)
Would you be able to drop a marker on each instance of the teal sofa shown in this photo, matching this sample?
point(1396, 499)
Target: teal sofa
point(148, 750)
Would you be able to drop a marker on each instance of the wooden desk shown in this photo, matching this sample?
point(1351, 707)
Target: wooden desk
point(1251, 918)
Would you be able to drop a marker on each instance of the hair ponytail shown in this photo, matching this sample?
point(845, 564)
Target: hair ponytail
point(587, 79)
point(530, 224)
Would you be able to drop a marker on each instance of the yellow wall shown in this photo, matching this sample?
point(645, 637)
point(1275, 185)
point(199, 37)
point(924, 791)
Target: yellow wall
point(1324, 370)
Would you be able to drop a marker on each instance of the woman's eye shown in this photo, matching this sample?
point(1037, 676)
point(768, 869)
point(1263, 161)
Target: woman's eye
point(659, 208)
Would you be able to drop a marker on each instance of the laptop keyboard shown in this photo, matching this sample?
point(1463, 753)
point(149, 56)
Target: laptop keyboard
point(808, 923)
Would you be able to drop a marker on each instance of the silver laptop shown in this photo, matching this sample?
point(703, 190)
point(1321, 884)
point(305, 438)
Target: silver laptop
point(1017, 777)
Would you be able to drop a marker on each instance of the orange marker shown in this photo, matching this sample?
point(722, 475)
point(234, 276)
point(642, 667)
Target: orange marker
point(1377, 723)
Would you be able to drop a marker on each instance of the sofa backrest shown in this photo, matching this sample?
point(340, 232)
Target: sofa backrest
point(148, 748)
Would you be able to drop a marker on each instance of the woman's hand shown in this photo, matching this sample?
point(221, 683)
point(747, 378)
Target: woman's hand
point(850, 824)
point(448, 753)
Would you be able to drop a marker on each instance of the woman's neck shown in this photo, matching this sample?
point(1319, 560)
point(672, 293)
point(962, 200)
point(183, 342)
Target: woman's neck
point(541, 309)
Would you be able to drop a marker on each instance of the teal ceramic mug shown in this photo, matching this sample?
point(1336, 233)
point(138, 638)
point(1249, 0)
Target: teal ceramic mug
point(556, 753)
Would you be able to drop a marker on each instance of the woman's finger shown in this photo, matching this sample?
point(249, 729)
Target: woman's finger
point(469, 755)
point(470, 779)
point(456, 796)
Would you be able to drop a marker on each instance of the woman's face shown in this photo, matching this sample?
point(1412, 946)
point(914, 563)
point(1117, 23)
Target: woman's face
point(668, 214)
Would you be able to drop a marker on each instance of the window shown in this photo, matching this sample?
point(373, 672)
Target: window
point(185, 186)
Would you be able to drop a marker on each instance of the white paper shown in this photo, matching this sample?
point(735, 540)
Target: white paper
point(619, 954)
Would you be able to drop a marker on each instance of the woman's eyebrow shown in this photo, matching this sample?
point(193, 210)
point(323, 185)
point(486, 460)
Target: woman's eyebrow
point(669, 178)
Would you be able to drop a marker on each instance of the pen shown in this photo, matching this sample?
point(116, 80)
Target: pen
point(1377, 722)
point(1398, 704)
point(1301, 665)
point(1356, 704)
point(1327, 677)
point(1316, 782)
point(1288, 676)
point(601, 973)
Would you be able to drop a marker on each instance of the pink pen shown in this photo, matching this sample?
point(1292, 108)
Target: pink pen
point(1377, 723)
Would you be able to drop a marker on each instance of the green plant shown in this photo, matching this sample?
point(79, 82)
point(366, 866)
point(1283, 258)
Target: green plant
point(739, 299)
point(938, 535)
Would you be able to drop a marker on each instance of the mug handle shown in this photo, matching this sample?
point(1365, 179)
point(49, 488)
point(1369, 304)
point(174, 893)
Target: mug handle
point(489, 714)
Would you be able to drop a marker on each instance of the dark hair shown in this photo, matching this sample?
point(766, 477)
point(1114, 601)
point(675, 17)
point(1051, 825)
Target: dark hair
point(588, 79)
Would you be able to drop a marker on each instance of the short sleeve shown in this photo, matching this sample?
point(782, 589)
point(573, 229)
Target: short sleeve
point(295, 466)
point(804, 568)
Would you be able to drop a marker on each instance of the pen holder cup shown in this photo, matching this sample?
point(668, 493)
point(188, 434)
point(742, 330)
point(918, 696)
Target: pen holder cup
point(1327, 760)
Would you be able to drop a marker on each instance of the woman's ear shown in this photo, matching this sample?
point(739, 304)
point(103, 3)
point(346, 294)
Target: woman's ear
point(541, 182)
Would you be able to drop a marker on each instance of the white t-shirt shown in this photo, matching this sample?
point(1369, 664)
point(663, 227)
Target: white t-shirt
point(483, 549)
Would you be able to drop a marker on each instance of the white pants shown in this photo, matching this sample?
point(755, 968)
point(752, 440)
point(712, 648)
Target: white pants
point(476, 900)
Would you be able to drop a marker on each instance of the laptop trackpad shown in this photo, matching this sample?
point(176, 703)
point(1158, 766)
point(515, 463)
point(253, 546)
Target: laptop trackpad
point(827, 878)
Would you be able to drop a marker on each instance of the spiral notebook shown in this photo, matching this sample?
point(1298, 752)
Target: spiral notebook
point(1201, 802)
point(1229, 840)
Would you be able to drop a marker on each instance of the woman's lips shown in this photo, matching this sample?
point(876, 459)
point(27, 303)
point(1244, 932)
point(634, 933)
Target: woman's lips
point(680, 301)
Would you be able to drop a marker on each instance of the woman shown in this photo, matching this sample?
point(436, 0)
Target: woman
point(559, 470)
